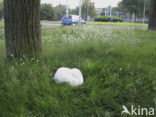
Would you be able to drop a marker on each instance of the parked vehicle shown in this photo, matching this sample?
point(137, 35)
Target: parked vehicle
point(71, 20)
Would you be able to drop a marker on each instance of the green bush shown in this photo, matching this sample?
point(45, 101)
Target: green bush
point(108, 19)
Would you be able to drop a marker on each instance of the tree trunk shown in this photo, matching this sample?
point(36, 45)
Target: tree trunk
point(22, 28)
point(134, 17)
point(152, 15)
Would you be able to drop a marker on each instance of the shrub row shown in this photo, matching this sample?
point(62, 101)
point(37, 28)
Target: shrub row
point(108, 19)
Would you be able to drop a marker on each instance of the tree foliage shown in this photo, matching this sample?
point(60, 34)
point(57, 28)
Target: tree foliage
point(133, 6)
point(1, 10)
point(47, 12)
point(74, 11)
point(60, 11)
point(86, 10)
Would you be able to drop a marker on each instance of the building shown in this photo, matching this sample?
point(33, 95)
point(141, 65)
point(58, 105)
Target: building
point(99, 11)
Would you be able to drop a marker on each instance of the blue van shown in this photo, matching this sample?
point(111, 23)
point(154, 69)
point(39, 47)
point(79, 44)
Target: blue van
point(72, 19)
point(67, 20)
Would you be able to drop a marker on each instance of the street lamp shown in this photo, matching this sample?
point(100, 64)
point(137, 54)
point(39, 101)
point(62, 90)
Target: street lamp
point(87, 3)
point(80, 10)
point(67, 9)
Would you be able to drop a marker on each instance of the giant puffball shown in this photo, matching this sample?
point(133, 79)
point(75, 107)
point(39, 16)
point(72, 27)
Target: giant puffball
point(71, 76)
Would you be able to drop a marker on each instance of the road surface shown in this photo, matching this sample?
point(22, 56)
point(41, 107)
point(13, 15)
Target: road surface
point(45, 25)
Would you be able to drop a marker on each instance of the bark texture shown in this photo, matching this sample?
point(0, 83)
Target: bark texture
point(152, 16)
point(22, 28)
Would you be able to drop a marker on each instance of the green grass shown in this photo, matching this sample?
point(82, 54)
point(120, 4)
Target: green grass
point(1, 25)
point(46, 21)
point(117, 24)
point(118, 65)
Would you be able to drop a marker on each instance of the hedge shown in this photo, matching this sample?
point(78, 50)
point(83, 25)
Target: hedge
point(108, 19)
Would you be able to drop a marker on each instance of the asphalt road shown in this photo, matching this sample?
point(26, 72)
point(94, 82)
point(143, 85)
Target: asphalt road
point(45, 25)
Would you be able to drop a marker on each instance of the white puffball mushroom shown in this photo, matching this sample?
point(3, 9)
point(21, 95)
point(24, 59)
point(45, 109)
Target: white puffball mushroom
point(72, 76)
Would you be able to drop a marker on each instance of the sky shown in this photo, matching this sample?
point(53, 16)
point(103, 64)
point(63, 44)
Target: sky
point(74, 3)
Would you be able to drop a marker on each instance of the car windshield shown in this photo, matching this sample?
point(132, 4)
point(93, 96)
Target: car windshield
point(69, 17)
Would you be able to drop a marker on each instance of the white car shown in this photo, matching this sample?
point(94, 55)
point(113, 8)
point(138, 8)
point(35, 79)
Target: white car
point(75, 20)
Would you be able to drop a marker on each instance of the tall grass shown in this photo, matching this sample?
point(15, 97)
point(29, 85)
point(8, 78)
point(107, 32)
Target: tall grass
point(118, 66)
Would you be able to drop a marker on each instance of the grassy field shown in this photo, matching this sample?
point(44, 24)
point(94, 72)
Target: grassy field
point(116, 24)
point(45, 21)
point(118, 65)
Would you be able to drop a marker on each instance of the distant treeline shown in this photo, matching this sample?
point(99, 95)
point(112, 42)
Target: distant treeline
point(48, 12)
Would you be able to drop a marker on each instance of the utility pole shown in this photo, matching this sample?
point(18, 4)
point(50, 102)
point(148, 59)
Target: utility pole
point(86, 10)
point(133, 17)
point(144, 13)
point(80, 10)
point(67, 7)
point(92, 7)
point(110, 11)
